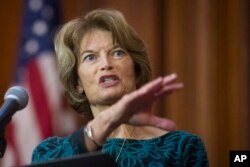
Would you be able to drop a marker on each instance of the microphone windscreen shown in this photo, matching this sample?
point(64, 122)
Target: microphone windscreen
point(19, 94)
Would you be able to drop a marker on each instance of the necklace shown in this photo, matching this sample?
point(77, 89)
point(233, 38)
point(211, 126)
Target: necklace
point(124, 141)
point(120, 150)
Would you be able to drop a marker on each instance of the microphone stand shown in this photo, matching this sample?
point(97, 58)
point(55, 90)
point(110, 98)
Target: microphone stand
point(3, 142)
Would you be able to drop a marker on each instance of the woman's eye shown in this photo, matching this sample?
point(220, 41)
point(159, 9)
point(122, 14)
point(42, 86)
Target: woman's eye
point(89, 58)
point(119, 53)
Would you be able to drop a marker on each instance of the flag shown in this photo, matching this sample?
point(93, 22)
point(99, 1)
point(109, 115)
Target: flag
point(46, 113)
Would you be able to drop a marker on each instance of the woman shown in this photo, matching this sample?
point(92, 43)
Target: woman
point(104, 67)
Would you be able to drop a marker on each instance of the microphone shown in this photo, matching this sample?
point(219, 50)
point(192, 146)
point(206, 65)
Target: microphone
point(16, 98)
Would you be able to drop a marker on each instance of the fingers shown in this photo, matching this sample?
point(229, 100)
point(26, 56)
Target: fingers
point(138, 102)
point(154, 89)
point(169, 79)
point(163, 123)
point(160, 82)
point(169, 89)
point(156, 85)
point(151, 87)
point(159, 87)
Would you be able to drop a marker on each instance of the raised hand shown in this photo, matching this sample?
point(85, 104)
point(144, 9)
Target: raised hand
point(134, 108)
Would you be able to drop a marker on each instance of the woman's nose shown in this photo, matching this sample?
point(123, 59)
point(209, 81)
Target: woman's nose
point(106, 63)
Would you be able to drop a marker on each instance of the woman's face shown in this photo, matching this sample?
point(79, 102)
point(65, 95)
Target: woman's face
point(106, 70)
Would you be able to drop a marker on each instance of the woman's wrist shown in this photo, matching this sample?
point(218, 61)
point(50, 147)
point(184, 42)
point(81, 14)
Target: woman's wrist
point(99, 128)
point(89, 134)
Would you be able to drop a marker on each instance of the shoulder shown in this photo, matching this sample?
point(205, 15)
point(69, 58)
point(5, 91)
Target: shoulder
point(59, 147)
point(181, 136)
point(191, 147)
point(184, 140)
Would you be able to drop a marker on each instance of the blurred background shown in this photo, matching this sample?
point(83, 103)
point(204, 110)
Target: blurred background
point(206, 42)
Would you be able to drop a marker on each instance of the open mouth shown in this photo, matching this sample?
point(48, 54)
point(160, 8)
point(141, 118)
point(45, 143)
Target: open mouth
point(108, 80)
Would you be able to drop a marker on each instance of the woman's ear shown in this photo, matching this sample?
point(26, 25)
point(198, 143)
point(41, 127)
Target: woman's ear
point(79, 87)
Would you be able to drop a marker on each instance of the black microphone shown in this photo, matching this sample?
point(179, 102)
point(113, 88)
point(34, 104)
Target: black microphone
point(16, 98)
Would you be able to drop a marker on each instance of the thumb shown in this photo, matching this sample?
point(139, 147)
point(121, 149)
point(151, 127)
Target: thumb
point(142, 119)
point(162, 123)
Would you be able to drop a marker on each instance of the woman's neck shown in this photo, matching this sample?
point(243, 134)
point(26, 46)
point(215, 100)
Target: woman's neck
point(97, 109)
point(123, 131)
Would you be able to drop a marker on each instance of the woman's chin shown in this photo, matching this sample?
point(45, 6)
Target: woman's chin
point(110, 99)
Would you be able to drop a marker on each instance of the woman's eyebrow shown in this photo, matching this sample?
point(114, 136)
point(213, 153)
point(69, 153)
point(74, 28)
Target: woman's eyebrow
point(86, 51)
point(116, 46)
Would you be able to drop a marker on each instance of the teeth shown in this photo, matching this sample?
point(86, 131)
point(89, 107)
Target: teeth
point(106, 80)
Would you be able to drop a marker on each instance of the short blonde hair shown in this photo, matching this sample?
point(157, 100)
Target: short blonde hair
point(67, 43)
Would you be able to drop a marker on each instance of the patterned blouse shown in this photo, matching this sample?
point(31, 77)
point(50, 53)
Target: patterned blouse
point(172, 149)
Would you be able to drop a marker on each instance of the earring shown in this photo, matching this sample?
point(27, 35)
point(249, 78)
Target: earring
point(80, 89)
